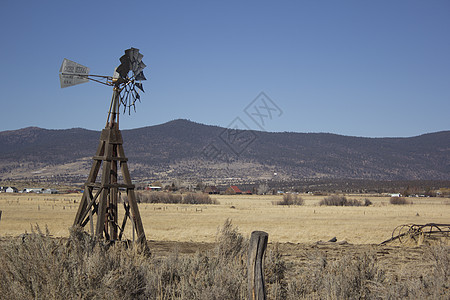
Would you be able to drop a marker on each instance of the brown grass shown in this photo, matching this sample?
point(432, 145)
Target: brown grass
point(307, 223)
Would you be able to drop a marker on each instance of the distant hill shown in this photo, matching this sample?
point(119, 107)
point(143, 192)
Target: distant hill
point(188, 150)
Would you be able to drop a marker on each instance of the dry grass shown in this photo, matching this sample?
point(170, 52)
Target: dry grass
point(197, 223)
point(36, 266)
point(362, 277)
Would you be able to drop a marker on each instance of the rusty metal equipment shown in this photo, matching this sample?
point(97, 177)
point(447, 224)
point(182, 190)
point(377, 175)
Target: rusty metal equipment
point(417, 234)
point(103, 198)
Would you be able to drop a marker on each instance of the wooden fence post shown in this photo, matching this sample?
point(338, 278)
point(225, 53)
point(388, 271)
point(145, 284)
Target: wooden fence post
point(256, 249)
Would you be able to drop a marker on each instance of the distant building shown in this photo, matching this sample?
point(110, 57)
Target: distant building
point(212, 190)
point(233, 190)
point(153, 188)
point(33, 190)
point(396, 195)
point(50, 191)
point(11, 189)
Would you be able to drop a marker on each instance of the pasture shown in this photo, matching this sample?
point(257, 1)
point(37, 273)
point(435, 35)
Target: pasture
point(198, 223)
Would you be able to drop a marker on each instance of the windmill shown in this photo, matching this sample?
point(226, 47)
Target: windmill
point(103, 198)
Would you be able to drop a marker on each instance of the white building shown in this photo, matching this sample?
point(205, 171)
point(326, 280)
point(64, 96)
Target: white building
point(11, 189)
point(33, 190)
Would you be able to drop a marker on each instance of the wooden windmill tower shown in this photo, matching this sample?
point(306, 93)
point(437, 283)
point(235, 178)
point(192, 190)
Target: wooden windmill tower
point(102, 196)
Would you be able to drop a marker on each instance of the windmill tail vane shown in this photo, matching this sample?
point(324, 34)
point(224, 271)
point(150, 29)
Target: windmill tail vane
point(127, 79)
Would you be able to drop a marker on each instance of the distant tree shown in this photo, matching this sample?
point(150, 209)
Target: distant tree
point(429, 192)
point(263, 188)
point(200, 186)
point(173, 187)
point(254, 190)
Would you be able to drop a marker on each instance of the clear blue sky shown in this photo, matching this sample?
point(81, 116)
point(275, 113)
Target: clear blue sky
point(362, 68)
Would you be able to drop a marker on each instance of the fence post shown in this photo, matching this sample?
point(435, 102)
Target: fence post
point(256, 249)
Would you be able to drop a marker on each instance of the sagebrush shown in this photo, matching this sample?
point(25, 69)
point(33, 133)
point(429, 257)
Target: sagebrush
point(400, 201)
point(37, 266)
point(336, 200)
point(290, 199)
point(172, 198)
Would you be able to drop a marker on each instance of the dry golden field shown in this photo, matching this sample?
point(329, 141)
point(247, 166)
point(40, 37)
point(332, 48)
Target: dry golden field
point(189, 256)
point(198, 223)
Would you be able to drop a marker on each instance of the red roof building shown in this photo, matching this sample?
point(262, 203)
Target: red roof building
point(233, 190)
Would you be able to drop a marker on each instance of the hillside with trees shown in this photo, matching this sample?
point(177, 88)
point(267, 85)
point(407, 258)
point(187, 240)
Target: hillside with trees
point(187, 150)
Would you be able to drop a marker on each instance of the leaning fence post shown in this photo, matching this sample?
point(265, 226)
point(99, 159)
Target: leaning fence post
point(256, 249)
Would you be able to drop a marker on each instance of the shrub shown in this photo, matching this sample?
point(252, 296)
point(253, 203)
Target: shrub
point(171, 198)
point(290, 199)
point(198, 198)
point(157, 197)
point(399, 201)
point(362, 277)
point(336, 200)
point(346, 278)
point(333, 200)
point(275, 269)
point(36, 266)
point(230, 242)
point(367, 202)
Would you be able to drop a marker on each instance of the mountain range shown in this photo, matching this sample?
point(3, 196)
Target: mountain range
point(182, 149)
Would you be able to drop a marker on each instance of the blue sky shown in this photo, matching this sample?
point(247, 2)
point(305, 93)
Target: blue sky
point(361, 68)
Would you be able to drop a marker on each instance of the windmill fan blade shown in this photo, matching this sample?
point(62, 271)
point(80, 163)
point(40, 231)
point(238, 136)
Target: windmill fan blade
point(139, 57)
point(140, 76)
point(124, 67)
point(132, 53)
point(131, 60)
point(138, 67)
point(139, 86)
point(134, 66)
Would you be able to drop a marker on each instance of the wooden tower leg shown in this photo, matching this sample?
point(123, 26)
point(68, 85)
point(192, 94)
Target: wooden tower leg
point(82, 209)
point(136, 217)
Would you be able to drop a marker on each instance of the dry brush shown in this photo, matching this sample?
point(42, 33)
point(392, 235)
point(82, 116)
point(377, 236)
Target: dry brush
point(37, 266)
